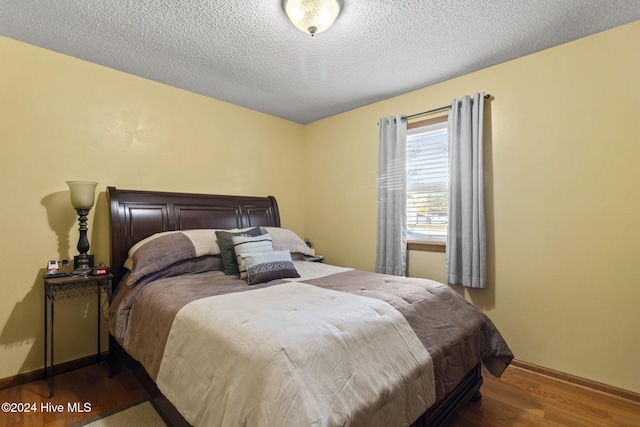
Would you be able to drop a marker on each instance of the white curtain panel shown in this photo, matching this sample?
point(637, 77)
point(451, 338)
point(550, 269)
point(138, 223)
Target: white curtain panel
point(392, 196)
point(466, 237)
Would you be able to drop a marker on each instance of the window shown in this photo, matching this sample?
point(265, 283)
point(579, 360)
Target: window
point(427, 182)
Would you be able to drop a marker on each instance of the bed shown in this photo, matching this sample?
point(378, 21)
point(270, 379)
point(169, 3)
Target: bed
point(290, 342)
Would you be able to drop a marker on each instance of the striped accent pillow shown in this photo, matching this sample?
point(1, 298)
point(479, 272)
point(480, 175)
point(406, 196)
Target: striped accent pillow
point(266, 266)
point(225, 242)
point(243, 245)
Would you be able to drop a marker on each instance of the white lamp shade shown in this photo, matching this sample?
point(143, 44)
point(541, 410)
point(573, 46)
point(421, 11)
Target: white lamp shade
point(312, 16)
point(82, 193)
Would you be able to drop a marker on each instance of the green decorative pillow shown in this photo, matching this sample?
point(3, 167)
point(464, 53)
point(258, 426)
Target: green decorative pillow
point(227, 253)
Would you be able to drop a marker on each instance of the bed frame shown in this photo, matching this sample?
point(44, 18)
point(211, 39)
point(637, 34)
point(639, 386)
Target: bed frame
point(135, 215)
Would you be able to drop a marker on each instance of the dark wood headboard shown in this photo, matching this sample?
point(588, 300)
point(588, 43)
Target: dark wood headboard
point(135, 215)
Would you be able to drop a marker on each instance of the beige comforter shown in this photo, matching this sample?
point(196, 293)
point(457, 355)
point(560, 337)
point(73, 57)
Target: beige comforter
point(335, 347)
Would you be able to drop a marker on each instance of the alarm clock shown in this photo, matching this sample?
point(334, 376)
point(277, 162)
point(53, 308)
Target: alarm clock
point(101, 270)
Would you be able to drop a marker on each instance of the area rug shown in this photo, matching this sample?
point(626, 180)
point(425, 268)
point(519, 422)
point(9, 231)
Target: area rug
point(140, 415)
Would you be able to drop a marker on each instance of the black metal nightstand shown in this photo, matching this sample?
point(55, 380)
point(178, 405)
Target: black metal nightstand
point(59, 288)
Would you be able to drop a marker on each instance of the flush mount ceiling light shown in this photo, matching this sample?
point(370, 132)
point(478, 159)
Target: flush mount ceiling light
point(312, 16)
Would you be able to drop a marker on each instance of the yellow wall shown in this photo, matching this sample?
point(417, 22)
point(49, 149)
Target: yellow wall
point(562, 188)
point(65, 119)
point(563, 200)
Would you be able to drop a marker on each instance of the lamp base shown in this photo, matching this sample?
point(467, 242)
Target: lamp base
point(86, 271)
point(82, 269)
point(76, 258)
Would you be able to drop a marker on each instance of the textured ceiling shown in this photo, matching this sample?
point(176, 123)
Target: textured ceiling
point(248, 53)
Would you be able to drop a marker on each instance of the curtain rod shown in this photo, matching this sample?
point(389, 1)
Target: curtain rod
point(437, 110)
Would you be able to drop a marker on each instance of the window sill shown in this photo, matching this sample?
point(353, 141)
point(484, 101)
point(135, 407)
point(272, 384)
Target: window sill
point(427, 246)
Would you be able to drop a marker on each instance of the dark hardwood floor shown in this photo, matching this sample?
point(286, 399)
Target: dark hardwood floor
point(90, 385)
point(519, 398)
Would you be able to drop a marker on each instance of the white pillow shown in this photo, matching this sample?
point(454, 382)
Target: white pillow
point(243, 245)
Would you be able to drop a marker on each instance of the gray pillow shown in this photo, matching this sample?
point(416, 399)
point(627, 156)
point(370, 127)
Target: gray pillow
point(271, 265)
point(188, 266)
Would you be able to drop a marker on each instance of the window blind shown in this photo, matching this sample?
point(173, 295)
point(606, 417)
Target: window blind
point(427, 183)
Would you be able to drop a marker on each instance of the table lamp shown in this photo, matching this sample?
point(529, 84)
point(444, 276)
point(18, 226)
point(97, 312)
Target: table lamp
point(82, 198)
